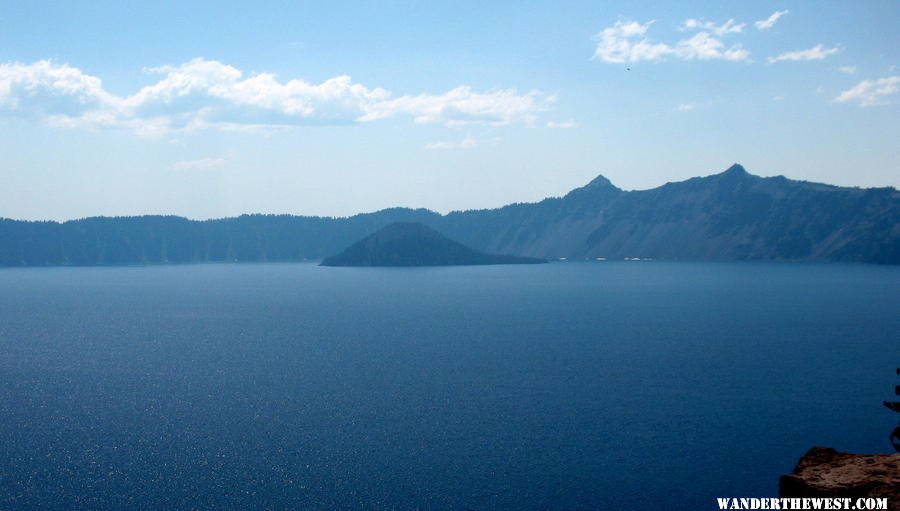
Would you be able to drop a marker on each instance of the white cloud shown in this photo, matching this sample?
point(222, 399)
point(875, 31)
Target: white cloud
point(466, 143)
point(770, 21)
point(685, 107)
point(462, 106)
point(729, 27)
point(201, 164)
point(49, 87)
point(562, 125)
point(850, 70)
point(704, 46)
point(778, 98)
point(627, 42)
point(817, 52)
point(871, 92)
point(617, 44)
point(207, 94)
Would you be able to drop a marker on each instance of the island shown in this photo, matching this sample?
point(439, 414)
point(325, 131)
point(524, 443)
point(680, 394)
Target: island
point(415, 244)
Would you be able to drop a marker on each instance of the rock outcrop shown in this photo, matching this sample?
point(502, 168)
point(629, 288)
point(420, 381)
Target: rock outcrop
point(825, 472)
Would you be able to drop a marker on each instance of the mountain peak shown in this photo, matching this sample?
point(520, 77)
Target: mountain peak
point(737, 169)
point(600, 182)
point(597, 185)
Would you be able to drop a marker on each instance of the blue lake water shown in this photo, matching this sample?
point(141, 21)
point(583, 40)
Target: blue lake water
point(578, 385)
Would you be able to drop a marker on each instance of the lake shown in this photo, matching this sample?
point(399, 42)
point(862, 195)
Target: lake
point(565, 385)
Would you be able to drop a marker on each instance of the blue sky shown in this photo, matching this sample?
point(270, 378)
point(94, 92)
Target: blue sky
point(206, 110)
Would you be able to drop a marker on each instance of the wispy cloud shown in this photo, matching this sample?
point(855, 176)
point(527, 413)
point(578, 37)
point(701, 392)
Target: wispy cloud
point(685, 107)
point(769, 22)
point(466, 143)
point(728, 27)
point(462, 106)
point(201, 164)
point(562, 125)
point(628, 42)
point(817, 52)
point(871, 92)
point(850, 70)
point(207, 94)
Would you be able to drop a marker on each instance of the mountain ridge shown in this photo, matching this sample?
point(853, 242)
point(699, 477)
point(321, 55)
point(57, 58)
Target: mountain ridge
point(731, 215)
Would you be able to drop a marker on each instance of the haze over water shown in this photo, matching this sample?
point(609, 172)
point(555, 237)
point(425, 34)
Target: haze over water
point(578, 385)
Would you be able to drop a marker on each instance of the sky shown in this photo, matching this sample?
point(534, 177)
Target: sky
point(208, 109)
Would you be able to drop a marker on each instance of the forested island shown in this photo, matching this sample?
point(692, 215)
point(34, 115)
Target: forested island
point(415, 244)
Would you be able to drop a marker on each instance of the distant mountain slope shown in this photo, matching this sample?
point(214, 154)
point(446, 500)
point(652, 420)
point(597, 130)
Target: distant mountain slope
point(728, 216)
point(171, 239)
point(414, 244)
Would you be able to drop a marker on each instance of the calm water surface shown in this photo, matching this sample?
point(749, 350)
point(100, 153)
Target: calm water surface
point(579, 385)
